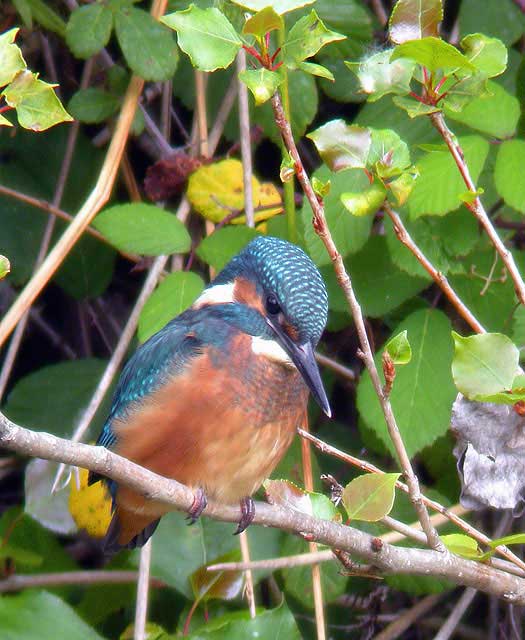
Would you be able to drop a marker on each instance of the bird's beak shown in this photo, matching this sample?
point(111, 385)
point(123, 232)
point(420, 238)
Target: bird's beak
point(303, 357)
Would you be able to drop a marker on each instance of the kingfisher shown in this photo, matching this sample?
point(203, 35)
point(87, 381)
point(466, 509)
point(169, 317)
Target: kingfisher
point(214, 398)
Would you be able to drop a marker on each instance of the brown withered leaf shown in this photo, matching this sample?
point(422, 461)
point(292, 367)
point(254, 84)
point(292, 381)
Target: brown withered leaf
point(490, 453)
point(167, 177)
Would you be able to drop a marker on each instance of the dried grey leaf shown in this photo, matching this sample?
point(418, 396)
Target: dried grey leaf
point(490, 453)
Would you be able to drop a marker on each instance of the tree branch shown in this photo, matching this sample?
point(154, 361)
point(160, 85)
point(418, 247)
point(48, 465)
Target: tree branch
point(385, 557)
point(441, 280)
point(476, 207)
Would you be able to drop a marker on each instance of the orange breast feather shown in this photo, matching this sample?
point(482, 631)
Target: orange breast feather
point(222, 425)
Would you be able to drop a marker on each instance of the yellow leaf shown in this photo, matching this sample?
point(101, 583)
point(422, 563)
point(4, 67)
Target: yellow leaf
point(90, 506)
point(216, 191)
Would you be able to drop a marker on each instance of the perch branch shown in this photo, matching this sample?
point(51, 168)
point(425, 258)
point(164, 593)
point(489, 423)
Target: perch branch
point(385, 557)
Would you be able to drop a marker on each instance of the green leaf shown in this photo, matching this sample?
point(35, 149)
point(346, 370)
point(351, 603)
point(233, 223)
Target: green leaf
point(37, 106)
point(401, 188)
point(24, 11)
point(389, 155)
point(379, 285)
point(423, 393)
point(378, 75)
point(298, 580)
point(484, 364)
point(462, 545)
point(307, 36)
point(88, 268)
point(413, 107)
point(220, 247)
point(93, 105)
point(279, 6)
point(496, 113)
point(262, 83)
point(366, 202)
point(263, 22)
point(488, 55)
point(175, 293)
point(499, 18)
point(370, 497)
point(508, 173)
point(47, 17)
point(217, 585)
point(5, 267)
point(515, 538)
point(198, 544)
point(34, 615)
point(11, 59)
point(89, 29)
point(482, 284)
point(144, 229)
point(351, 232)
point(321, 187)
point(440, 184)
point(316, 70)
point(443, 240)
point(433, 53)
point(278, 624)
point(21, 557)
point(49, 398)
point(206, 35)
point(342, 146)
point(149, 48)
point(398, 348)
point(415, 19)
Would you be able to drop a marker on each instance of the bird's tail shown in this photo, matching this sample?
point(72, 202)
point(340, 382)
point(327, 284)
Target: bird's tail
point(128, 530)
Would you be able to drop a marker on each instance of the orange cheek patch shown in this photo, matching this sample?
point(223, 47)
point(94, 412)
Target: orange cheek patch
point(245, 292)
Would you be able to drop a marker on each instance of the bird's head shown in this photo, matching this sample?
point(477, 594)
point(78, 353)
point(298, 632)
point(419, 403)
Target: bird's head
point(281, 283)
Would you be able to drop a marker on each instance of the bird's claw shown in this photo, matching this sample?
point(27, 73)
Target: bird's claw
point(248, 514)
point(197, 507)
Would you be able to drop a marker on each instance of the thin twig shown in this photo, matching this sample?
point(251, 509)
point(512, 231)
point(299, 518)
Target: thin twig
point(18, 582)
point(248, 575)
point(116, 359)
point(387, 558)
point(438, 277)
point(317, 588)
point(97, 198)
point(164, 147)
point(141, 608)
point(335, 366)
point(322, 230)
point(43, 205)
point(476, 207)
point(396, 628)
point(380, 11)
point(451, 623)
point(246, 150)
point(222, 115)
point(452, 513)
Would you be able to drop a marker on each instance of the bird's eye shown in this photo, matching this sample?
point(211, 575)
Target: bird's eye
point(272, 306)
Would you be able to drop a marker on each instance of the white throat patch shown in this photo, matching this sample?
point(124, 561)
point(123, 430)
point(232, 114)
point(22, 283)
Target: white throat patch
point(272, 350)
point(218, 294)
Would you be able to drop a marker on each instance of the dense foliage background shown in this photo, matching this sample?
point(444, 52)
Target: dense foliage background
point(49, 377)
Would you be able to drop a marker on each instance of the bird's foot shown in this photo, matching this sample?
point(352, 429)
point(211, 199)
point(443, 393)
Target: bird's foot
point(197, 507)
point(248, 514)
